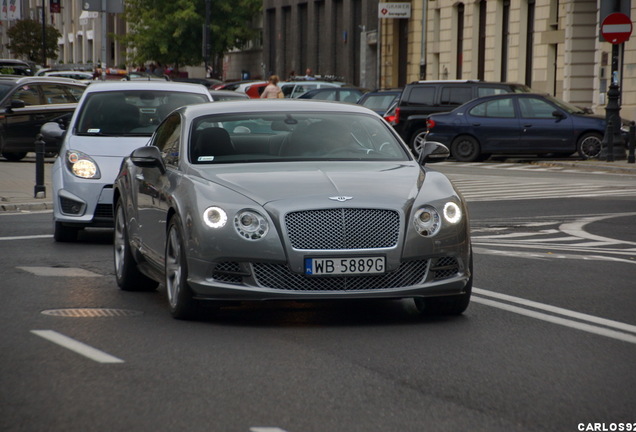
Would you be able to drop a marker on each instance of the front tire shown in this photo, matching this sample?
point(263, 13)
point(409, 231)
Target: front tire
point(589, 145)
point(447, 305)
point(14, 156)
point(128, 276)
point(180, 297)
point(465, 149)
point(65, 234)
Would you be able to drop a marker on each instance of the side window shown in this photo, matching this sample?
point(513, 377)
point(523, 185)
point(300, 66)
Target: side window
point(487, 91)
point(422, 95)
point(55, 94)
point(500, 108)
point(29, 94)
point(168, 138)
point(75, 92)
point(535, 108)
point(455, 95)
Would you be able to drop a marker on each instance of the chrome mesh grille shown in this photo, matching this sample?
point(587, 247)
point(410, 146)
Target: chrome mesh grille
point(229, 272)
point(444, 268)
point(343, 228)
point(278, 276)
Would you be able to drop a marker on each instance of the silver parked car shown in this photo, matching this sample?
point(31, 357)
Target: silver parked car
point(286, 199)
point(111, 119)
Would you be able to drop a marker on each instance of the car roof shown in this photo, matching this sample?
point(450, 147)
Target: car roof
point(21, 79)
point(272, 105)
point(104, 86)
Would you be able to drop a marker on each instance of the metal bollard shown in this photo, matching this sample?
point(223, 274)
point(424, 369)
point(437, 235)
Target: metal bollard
point(632, 142)
point(607, 146)
point(39, 191)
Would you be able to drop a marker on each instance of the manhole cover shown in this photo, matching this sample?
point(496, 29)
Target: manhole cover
point(91, 312)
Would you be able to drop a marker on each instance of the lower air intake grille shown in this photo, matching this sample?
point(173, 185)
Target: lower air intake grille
point(278, 276)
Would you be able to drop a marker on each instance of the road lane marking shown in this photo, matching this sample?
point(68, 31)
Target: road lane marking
point(266, 429)
point(592, 325)
point(76, 346)
point(59, 271)
point(31, 237)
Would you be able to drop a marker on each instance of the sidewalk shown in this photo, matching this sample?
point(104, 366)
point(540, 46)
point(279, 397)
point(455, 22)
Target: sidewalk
point(17, 180)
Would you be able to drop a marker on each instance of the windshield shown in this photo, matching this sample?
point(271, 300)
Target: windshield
point(379, 102)
point(260, 137)
point(130, 112)
point(4, 89)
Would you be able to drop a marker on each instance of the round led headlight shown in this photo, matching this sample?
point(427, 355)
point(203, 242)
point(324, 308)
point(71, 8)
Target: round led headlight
point(82, 165)
point(250, 225)
point(215, 217)
point(427, 221)
point(452, 212)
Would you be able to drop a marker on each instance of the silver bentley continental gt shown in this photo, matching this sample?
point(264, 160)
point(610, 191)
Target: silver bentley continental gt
point(288, 200)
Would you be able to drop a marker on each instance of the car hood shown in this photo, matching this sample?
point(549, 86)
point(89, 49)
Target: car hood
point(105, 146)
point(388, 184)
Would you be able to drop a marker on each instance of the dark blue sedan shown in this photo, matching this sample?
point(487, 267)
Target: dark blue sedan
point(518, 123)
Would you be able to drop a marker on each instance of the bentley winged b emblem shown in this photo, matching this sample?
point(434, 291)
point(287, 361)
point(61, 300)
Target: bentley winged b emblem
point(340, 198)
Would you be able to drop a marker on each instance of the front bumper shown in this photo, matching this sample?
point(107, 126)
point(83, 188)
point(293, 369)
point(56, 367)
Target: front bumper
point(235, 281)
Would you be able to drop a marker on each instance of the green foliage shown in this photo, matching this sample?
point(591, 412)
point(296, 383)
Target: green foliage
point(170, 31)
point(25, 40)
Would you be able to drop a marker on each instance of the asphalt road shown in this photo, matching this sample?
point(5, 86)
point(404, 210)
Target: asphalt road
point(547, 344)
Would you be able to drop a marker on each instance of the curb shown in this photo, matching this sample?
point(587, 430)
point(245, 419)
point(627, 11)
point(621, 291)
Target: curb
point(32, 206)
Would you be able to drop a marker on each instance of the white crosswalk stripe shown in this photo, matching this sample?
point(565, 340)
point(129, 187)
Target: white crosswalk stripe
point(497, 189)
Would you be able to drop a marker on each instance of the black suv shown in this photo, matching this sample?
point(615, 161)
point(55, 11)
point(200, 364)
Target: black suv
point(421, 98)
point(26, 103)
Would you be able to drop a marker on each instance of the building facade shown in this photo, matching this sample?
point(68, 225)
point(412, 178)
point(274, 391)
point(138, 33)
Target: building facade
point(333, 38)
point(554, 46)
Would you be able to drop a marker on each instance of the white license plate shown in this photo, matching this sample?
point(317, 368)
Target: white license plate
point(345, 266)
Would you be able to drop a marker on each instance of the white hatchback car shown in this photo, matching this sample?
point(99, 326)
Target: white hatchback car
point(111, 120)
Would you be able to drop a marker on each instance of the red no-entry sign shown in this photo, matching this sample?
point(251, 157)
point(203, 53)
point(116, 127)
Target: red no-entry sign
point(616, 28)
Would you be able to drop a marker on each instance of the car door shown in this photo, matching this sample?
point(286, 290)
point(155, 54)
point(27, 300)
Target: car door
point(153, 187)
point(542, 131)
point(494, 123)
point(43, 103)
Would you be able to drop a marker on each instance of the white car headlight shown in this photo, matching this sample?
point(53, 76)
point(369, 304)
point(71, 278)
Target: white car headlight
point(452, 212)
point(215, 217)
point(427, 221)
point(250, 225)
point(82, 165)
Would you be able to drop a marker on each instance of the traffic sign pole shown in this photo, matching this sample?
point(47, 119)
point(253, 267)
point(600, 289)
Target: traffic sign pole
point(616, 29)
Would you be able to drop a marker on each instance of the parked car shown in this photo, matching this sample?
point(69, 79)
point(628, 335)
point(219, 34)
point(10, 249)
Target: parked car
point(252, 89)
point(421, 98)
point(293, 89)
point(323, 202)
point(224, 95)
point(26, 104)
point(520, 123)
point(337, 94)
point(16, 67)
point(111, 120)
point(76, 75)
point(379, 100)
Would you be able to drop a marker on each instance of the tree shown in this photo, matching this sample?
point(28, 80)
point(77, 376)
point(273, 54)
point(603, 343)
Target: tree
point(25, 38)
point(170, 31)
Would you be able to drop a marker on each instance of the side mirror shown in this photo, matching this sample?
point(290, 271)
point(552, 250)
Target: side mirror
point(52, 131)
point(17, 103)
point(558, 114)
point(148, 157)
point(432, 151)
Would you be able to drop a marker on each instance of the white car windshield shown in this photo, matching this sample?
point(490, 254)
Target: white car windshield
point(131, 112)
point(251, 137)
